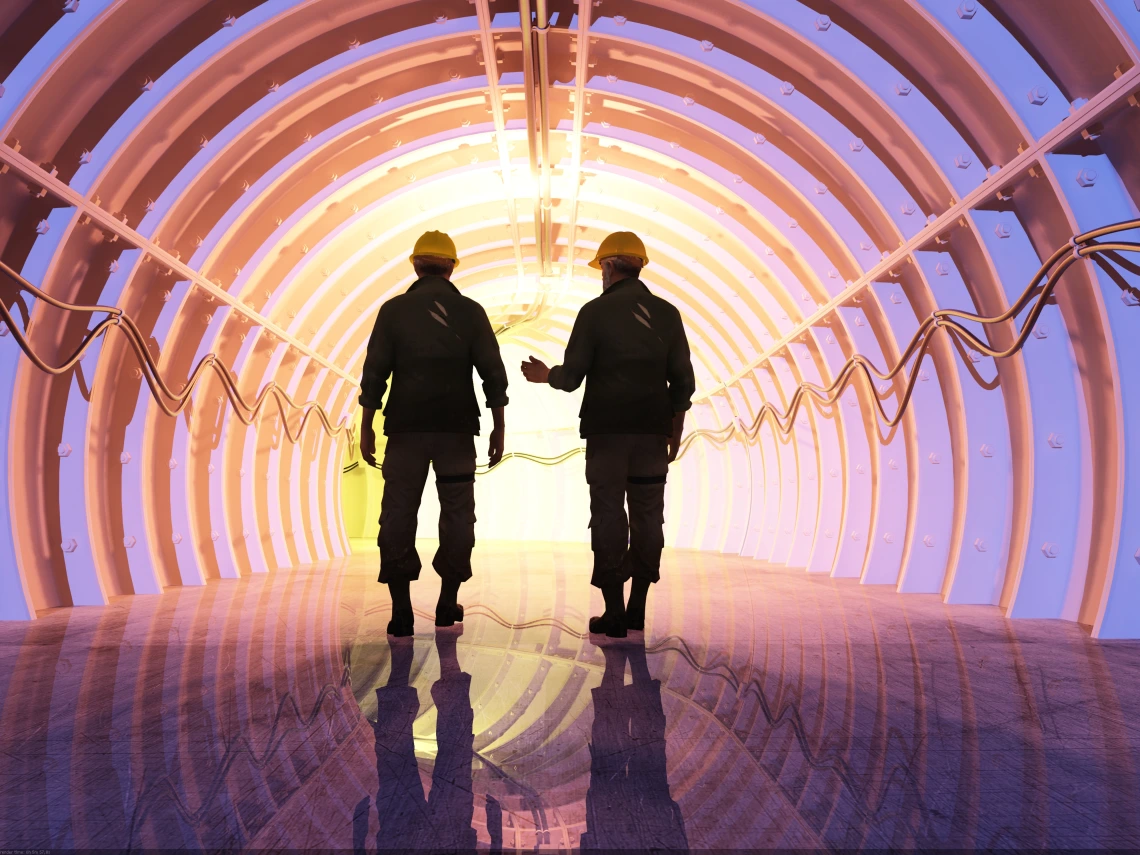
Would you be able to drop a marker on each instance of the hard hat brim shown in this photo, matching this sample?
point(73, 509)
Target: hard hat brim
point(597, 262)
point(412, 258)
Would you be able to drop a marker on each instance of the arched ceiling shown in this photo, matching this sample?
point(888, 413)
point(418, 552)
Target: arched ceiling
point(812, 179)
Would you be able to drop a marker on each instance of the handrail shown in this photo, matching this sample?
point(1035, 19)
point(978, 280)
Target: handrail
point(116, 318)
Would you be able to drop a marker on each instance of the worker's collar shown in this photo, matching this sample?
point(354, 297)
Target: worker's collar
point(624, 283)
point(433, 283)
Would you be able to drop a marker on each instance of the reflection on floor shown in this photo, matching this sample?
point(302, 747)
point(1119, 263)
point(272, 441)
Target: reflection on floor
point(762, 708)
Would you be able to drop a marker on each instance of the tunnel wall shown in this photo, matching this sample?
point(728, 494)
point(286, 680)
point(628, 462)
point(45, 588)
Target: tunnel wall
point(812, 181)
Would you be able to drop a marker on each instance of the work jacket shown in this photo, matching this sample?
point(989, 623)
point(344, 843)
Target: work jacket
point(428, 340)
point(630, 348)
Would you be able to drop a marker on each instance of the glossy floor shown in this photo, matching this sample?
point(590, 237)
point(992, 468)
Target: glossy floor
point(763, 708)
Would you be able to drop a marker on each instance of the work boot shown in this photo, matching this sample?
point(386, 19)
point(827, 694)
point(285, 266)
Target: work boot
point(448, 612)
point(402, 624)
point(612, 621)
point(635, 609)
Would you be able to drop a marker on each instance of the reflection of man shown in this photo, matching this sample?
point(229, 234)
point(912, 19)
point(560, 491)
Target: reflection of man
point(442, 822)
point(630, 348)
point(429, 340)
point(628, 805)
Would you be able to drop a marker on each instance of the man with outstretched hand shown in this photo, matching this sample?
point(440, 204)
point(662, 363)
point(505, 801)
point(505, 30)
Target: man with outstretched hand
point(630, 348)
point(428, 341)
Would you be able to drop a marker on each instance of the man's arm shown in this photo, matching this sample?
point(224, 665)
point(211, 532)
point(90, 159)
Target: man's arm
point(378, 364)
point(682, 385)
point(575, 364)
point(489, 363)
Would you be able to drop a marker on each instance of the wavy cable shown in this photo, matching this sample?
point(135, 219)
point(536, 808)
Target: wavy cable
point(161, 391)
point(1035, 296)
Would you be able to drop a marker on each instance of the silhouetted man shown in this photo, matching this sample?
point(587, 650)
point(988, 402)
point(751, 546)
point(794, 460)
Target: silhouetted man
point(428, 341)
point(628, 805)
point(630, 348)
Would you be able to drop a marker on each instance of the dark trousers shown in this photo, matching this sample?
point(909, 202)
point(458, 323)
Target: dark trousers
point(406, 461)
point(621, 469)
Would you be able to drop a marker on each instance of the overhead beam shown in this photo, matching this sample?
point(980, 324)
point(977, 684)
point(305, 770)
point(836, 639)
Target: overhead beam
point(32, 173)
point(495, 94)
point(546, 206)
point(581, 72)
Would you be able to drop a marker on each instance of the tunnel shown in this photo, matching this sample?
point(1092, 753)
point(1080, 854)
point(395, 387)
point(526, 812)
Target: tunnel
point(902, 237)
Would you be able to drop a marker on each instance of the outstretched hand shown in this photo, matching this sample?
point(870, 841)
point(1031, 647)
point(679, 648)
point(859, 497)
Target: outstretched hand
point(535, 371)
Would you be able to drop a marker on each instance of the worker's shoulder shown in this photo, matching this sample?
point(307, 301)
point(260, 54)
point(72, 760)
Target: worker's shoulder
point(472, 305)
point(663, 306)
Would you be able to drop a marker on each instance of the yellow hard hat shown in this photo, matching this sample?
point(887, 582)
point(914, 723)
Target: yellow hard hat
point(620, 243)
point(435, 244)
